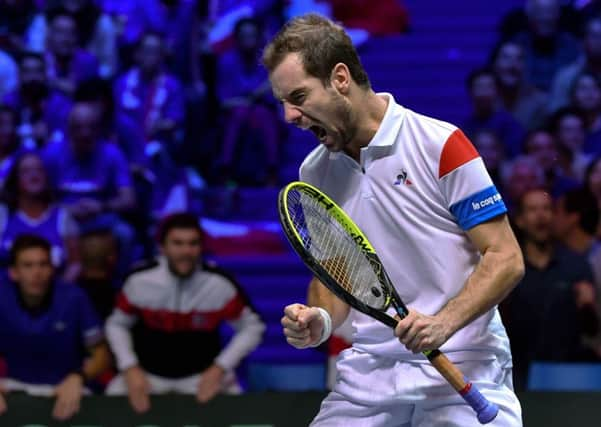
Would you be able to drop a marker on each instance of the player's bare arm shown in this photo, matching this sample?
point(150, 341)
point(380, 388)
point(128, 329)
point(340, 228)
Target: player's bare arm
point(303, 325)
point(498, 271)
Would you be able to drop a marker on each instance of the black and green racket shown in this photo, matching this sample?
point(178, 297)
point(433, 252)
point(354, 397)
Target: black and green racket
point(338, 253)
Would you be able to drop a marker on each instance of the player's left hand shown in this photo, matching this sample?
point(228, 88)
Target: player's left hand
point(68, 396)
point(419, 332)
point(210, 383)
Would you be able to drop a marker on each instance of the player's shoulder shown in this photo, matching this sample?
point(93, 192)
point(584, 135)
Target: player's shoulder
point(430, 131)
point(313, 163)
point(141, 271)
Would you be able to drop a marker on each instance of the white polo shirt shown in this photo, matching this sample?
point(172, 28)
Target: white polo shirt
point(419, 185)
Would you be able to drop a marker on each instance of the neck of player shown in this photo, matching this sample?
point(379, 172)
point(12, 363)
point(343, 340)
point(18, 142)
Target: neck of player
point(369, 109)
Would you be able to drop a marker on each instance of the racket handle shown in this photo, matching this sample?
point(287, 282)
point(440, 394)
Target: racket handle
point(485, 409)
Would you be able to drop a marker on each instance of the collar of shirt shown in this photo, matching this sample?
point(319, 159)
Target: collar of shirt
point(386, 135)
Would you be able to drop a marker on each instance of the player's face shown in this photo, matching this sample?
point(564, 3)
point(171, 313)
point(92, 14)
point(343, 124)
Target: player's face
point(311, 106)
point(32, 271)
point(536, 216)
point(182, 248)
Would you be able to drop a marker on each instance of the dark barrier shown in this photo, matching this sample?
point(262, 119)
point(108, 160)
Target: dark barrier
point(265, 410)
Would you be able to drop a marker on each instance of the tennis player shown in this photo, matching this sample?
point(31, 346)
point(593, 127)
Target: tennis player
point(419, 190)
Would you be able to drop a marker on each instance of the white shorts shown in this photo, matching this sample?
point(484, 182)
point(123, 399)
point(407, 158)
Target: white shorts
point(373, 391)
point(162, 385)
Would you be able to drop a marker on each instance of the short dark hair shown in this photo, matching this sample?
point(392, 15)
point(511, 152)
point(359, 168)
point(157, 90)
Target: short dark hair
point(59, 11)
point(562, 113)
point(178, 220)
point(6, 109)
point(477, 73)
point(584, 203)
point(24, 242)
point(321, 45)
point(246, 21)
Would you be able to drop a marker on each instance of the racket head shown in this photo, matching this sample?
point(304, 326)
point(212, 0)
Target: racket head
point(336, 250)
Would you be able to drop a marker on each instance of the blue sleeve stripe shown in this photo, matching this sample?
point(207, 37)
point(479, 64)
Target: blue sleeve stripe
point(478, 208)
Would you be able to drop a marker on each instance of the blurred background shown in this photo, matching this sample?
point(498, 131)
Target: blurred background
point(115, 114)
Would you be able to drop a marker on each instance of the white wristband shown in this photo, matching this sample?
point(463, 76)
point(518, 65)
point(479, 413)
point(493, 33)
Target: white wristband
point(327, 327)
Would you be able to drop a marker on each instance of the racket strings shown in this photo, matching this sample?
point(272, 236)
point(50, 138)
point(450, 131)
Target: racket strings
point(333, 248)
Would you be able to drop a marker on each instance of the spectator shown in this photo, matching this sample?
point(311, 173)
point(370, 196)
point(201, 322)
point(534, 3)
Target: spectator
point(151, 96)
point(91, 177)
point(492, 152)
point(542, 147)
point(9, 73)
point(576, 221)
point(96, 31)
point(592, 181)
point(245, 96)
point(487, 114)
point(521, 175)
point(19, 25)
point(116, 126)
point(98, 276)
point(556, 281)
point(568, 128)
point(177, 305)
point(524, 101)
point(50, 336)
point(43, 110)
point(589, 62)
point(546, 48)
point(67, 65)
point(30, 209)
point(9, 142)
point(586, 97)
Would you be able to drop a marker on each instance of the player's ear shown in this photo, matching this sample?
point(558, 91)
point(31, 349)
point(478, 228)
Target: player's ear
point(341, 78)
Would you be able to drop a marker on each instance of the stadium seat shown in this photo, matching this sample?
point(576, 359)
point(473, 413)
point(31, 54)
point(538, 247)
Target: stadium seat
point(564, 377)
point(286, 377)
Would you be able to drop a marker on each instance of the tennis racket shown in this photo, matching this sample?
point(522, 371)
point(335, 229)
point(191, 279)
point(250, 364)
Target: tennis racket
point(340, 256)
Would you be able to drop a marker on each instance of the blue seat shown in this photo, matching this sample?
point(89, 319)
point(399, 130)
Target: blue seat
point(564, 377)
point(286, 377)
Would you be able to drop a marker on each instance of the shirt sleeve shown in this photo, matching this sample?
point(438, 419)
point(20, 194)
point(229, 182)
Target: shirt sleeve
point(470, 194)
point(118, 331)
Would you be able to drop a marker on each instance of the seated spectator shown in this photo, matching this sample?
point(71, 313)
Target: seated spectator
point(9, 141)
point(556, 281)
point(96, 31)
point(546, 47)
point(42, 110)
point(589, 62)
point(30, 209)
point(524, 101)
point(67, 65)
point(487, 113)
point(50, 337)
point(592, 182)
point(116, 126)
point(151, 96)
point(586, 98)
point(492, 152)
point(9, 73)
point(575, 226)
point(245, 96)
point(541, 146)
point(98, 276)
point(19, 26)
point(568, 127)
point(91, 178)
point(177, 305)
point(520, 176)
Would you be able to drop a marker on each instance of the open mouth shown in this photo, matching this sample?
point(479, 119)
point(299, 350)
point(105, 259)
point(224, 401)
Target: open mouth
point(319, 132)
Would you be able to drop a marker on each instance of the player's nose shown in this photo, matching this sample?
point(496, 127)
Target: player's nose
point(292, 114)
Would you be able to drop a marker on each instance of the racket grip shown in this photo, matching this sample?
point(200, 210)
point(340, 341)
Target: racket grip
point(485, 409)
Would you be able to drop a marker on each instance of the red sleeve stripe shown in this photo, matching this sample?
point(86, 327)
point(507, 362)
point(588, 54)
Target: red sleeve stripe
point(457, 151)
point(123, 304)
